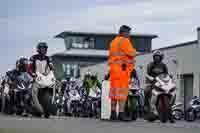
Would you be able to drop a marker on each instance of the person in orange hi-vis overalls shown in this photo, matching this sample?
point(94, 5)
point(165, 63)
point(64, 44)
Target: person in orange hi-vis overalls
point(121, 64)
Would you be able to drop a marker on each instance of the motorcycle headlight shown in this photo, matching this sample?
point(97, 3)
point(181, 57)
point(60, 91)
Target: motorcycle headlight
point(173, 89)
point(157, 84)
point(159, 89)
point(53, 79)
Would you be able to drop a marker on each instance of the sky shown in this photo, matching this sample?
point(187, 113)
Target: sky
point(23, 23)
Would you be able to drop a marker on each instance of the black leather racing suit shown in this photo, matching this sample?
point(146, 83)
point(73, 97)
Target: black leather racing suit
point(153, 70)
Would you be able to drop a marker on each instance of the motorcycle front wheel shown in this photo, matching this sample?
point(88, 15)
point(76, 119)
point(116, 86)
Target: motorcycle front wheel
point(177, 114)
point(163, 108)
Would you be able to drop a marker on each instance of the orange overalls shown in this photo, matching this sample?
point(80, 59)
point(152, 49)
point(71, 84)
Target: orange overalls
point(121, 54)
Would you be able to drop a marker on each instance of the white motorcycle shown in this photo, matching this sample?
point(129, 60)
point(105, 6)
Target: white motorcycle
point(46, 96)
point(60, 102)
point(73, 103)
point(94, 100)
point(163, 97)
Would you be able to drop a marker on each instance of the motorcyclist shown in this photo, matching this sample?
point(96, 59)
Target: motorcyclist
point(40, 63)
point(13, 79)
point(154, 69)
point(87, 82)
point(22, 103)
point(95, 80)
point(90, 81)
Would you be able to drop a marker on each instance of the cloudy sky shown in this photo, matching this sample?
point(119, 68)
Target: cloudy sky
point(25, 22)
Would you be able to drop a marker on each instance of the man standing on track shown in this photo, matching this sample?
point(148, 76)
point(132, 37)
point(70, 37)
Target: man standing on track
point(121, 63)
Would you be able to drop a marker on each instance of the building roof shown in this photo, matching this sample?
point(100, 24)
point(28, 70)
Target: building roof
point(84, 53)
point(69, 33)
point(178, 45)
point(171, 47)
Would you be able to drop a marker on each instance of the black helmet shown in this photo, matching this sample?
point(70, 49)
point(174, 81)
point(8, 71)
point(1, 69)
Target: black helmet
point(42, 45)
point(21, 64)
point(23, 61)
point(124, 28)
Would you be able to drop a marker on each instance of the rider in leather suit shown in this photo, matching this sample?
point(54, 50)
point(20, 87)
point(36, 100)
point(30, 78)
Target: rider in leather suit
point(40, 63)
point(154, 69)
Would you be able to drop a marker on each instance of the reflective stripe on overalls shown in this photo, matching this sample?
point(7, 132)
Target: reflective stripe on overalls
point(118, 53)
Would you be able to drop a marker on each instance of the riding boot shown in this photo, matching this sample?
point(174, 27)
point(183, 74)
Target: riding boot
point(122, 117)
point(171, 118)
point(113, 116)
point(147, 105)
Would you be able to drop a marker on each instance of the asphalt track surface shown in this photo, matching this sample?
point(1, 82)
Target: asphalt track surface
point(14, 124)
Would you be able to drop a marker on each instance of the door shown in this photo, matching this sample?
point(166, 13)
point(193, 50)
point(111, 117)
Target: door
point(188, 88)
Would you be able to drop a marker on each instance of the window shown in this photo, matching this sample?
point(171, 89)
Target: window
point(81, 42)
point(71, 70)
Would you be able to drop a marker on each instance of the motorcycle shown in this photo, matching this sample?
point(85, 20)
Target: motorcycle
point(46, 85)
point(163, 97)
point(94, 99)
point(73, 106)
point(178, 111)
point(193, 112)
point(86, 105)
point(132, 103)
point(60, 102)
point(23, 94)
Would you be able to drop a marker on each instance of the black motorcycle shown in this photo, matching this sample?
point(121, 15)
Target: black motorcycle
point(23, 94)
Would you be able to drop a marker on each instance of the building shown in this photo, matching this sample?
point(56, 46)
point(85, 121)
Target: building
point(183, 63)
point(87, 49)
point(182, 60)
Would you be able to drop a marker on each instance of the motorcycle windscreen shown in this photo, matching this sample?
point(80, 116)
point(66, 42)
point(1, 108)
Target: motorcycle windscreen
point(41, 66)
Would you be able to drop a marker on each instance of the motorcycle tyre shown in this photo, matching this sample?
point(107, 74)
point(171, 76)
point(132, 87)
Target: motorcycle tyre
point(132, 110)
point(163, 115)
point(180, 112)
point(188, 115)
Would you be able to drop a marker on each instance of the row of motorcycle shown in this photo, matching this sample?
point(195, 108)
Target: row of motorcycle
point(69, 98)
point(72, 100)
point(56, 97)
point(16, 95)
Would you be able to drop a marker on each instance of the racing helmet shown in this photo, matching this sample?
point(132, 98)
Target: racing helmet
point(158, 53)
point(42, 45)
